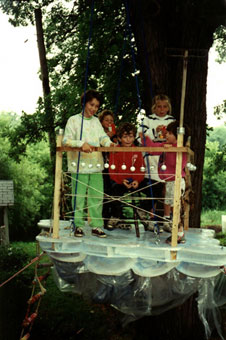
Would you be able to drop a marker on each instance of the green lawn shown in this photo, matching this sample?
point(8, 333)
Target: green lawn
point(211, 217)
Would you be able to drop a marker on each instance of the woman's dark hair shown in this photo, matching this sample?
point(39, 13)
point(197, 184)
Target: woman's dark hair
point(89, 95)
point(172, 127)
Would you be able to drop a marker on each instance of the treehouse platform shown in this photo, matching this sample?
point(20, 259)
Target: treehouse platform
point(147, 256)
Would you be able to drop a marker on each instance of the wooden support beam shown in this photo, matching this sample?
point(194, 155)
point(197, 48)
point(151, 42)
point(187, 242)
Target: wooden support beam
point(57, 187)
point(130, 149)
point(6, 224)
point(180, 139)
point(177, 194)
point(186, 200)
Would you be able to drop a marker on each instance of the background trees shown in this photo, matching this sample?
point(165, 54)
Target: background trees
point(32, 182)
point(214, 173)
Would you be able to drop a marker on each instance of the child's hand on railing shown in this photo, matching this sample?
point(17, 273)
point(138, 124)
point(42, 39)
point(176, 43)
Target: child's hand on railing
point(87, 148)
point(167, 145)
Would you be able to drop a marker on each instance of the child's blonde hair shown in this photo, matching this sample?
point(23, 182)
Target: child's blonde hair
point(161, 97)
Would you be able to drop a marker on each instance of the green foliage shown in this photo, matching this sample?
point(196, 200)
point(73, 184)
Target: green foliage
point(220, 111)
point(220, 39)
point(211, 217)
point(67, 63)
point(12, 259)
point(66, 26)
point(214, 173)
point(217, 135)
point(32, 182)
point(222, 238)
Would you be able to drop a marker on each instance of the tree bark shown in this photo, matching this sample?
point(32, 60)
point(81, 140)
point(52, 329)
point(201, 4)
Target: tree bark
point(180, 323)
point(163, 30)
point(49, 115)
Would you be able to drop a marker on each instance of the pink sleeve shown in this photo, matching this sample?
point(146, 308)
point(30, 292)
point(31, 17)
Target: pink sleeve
point(150, 143)
point(147, 141)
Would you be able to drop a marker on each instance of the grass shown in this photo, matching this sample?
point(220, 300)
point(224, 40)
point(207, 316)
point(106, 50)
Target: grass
point(211, 217)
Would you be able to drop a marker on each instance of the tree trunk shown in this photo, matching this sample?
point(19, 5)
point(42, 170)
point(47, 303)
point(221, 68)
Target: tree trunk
point(49, 115)
point(163, 30)
point(182, 323)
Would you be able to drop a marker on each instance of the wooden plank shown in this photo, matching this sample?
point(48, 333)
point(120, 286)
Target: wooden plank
point(177, 195)
point(180, 139)
point(57, 187)
point(129, 149)
point(186, 200)
point(6, 224)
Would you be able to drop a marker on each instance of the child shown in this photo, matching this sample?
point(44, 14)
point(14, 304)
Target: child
point(85, 131)
point(106, 118)
point(125, 171)
point(154, 127)
point(167, 173)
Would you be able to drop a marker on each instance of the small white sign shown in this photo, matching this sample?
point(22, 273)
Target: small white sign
point(6, 193)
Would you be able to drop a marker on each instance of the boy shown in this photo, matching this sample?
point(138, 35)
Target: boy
point(125, 170)
point(85, 131)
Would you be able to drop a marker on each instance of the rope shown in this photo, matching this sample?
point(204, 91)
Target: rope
point(145, 50)
point(121, 199)
point(138, 95)
point(21, 270)
point(30, 317)
point(133, 54)
point(139, 100)
point(149, 174)
point(84, 98)
point(120, 73)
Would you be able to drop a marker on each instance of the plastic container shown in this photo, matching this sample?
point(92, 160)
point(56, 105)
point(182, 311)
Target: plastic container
point(223, 223)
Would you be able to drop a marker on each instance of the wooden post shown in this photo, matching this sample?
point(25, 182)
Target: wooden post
point(180, 139)
point(186, 203)
point(57, 187)
point(6, 224)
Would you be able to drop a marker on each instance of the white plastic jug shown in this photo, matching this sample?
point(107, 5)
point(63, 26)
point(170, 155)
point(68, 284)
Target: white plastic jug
point(223, 222)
